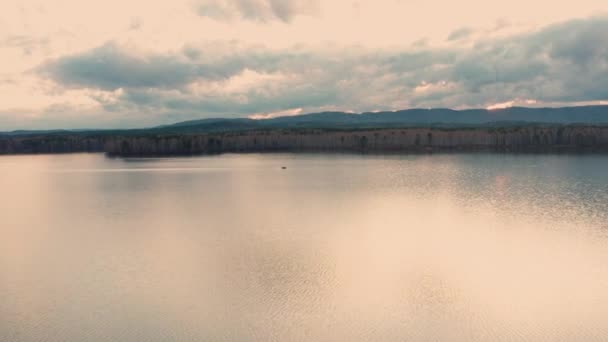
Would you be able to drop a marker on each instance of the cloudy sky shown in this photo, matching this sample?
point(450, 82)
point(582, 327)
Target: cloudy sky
point(121, 63)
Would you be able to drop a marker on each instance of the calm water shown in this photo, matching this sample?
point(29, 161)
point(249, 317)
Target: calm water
point(333, 248)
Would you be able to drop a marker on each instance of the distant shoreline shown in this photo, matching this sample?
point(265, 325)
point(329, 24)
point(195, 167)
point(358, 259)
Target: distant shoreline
point(534, 138)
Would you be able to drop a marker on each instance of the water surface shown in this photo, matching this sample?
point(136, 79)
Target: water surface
point(479, 247)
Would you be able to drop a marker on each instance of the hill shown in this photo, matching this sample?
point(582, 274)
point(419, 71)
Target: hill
point(448, 118)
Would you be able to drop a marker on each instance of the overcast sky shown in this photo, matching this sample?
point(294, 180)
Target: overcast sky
point(120, 63)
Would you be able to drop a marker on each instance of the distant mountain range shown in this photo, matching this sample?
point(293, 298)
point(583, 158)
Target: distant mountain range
point(514, 116)
point(407, 131)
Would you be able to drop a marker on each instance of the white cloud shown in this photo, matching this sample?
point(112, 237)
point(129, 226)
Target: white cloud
point(288, 112)
point(425, 87)
point(247, 80)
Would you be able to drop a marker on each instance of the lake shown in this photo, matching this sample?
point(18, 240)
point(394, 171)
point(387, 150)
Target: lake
point(333, 247)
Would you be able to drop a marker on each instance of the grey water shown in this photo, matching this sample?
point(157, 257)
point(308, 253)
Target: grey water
point(471, 247)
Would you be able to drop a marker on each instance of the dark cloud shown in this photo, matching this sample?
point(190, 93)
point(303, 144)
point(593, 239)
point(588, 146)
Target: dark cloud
point(460, 34)
point(579, 42)
point(110, 67)
point(567, 62)
point(284, 10)
point(256, 10)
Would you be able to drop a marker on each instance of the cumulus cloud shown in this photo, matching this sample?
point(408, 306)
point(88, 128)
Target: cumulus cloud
point(562, 63)
point(256, 10)
point(110, 67)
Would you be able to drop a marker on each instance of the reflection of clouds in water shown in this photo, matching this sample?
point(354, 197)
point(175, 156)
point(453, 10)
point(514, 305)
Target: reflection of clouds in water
point(339, 247)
